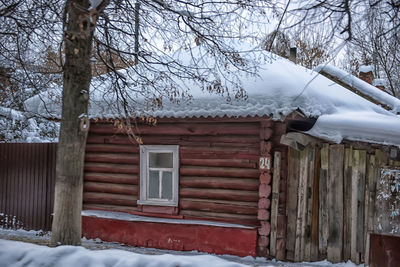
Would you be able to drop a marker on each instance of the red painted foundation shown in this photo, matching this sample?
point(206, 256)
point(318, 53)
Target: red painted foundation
point(182, 237)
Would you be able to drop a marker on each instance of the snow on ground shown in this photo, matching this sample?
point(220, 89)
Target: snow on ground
point(97, 254)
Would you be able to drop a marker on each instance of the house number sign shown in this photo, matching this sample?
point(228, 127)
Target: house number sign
point(265, 163)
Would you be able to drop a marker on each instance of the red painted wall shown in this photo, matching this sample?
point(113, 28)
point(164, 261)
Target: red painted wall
point(182, 237)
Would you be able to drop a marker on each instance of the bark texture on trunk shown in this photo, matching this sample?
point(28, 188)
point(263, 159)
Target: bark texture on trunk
point(66, 227)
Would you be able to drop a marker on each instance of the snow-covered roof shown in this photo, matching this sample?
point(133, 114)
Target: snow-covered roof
point(363, 126)
point(379, 82)
point(280, 88)
point(366, 68)
point(361, 86)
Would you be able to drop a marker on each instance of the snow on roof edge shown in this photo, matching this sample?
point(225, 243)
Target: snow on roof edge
point(364, 87)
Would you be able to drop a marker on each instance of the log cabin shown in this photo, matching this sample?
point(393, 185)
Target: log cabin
point(269, 175)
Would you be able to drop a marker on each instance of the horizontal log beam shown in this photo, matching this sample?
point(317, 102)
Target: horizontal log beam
point(116, 208)
point(218, 172)
point(223, 194)
point(218, 201)
point(109, 199)
point(219, 216)
point(112, 158)
point(214, 155)
point(220, 150)
point(110, 188)
point(115, 178)
point(217, 207)
point(238, 163)
point(181, 129)
point(112, 168)
point(107, 148)
point(219, 183)
point(226, 140)
point(265, 120)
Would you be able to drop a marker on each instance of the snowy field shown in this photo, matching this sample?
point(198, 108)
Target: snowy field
point(95, 253)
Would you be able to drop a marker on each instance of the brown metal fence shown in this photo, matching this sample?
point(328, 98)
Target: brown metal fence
point(27, 173)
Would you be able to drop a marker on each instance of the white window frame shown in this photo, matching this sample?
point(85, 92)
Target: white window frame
point(144, 175)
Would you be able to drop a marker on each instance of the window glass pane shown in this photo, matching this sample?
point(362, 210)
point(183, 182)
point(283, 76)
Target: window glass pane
point(154, 185)
point(167, 185)
point(160, 160)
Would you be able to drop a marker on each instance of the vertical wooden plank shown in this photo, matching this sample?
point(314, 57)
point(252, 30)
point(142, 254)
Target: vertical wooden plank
point(8, 183)
point(323, 204)
point(335, 203)
point(309, 200)
point(49, 164)
point(291, 201)
point(275, 201)
point(301, 206)
point(53, 179)
point(348, 162)
point(17, 186)
point(355, 257)
point(24, 188)
point(370, 203)
point(360, 204)
point(36, 178)
point(357, 205)
point(2, 182)
point(42, 214)
point(315, 206)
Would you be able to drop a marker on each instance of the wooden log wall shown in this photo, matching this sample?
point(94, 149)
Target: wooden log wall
point(219, 173)
point(330, 208)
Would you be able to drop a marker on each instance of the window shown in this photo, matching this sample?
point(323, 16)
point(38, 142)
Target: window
point(159, 175)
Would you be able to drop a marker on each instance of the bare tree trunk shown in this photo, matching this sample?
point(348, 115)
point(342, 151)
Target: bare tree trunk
point(66, 227)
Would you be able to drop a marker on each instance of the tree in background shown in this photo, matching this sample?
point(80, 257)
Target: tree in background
point(376, 42)
point(369, 29)
point(312, 50)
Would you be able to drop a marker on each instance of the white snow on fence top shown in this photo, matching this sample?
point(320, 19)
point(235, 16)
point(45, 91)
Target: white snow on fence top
point(362, 86)
point(280, 88)
point(136, 218)
point(366, 68)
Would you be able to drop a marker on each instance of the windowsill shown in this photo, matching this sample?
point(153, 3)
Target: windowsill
point(157, 203)
point(157, 209)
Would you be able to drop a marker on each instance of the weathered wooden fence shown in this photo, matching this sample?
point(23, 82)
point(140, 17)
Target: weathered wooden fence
point(27, 173)
point(331, 202)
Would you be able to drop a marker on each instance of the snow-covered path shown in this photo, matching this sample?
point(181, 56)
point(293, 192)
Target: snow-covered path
point(95, 253)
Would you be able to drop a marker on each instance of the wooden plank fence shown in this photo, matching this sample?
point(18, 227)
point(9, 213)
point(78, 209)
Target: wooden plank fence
point(331, 201)
point(27, 173)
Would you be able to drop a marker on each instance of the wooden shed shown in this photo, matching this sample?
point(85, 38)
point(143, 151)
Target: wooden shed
point(289, 172)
